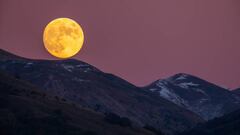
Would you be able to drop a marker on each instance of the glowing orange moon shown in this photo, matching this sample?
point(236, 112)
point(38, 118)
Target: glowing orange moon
point(63, 37)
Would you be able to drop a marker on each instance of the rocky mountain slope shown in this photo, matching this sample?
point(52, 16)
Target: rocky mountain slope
point(195, 94)
point(89, 87)
point(27, 110)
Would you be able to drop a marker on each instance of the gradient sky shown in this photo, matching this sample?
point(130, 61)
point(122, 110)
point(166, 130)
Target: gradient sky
point(138, 40)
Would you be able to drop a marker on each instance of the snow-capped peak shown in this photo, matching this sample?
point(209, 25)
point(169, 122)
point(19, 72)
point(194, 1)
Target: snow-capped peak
point(196, 94)
point(179, 76)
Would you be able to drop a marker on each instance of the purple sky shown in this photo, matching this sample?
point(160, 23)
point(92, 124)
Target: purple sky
point(139, 40)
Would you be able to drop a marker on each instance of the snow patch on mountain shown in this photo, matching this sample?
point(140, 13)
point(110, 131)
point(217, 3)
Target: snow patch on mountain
point(79, 80)
point(203, 100)
point(182, 77)
point(82, 65)
point(186, 85)
point(201, 91)
point(87, 70)
point(28, 64)
point(69, 68)
point(153, 89)
point(168, 94)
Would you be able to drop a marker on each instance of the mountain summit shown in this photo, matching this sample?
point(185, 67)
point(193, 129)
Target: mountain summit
point(204, 98)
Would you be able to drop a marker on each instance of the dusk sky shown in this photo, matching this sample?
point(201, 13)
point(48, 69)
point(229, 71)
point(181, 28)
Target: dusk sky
point(138, 40)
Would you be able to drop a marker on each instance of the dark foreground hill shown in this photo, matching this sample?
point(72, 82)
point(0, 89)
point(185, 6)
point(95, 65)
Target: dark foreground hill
point(237, 91)
point(226, 125)
point(26, 110)
point(89, 87)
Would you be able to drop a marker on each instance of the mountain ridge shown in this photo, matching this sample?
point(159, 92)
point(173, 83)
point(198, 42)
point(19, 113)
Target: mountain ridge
point(202, 97)
point(89, 87)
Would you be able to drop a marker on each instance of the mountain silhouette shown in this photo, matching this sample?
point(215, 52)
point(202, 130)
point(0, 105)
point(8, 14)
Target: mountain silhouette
point(204, 98)
point(88, 87)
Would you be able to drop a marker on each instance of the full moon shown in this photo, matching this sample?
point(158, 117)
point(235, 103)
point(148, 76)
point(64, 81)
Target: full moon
point(63, 37)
